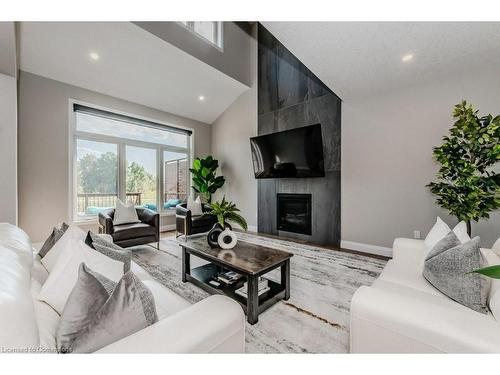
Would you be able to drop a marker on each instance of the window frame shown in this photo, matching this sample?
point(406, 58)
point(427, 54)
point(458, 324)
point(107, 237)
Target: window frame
point(219, 43)
point(121, 143)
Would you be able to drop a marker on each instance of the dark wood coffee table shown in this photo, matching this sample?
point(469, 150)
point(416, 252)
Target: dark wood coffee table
point(251, 261)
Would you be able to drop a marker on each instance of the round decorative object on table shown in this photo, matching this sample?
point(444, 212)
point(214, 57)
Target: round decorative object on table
point(227, 239)
point(213, 235)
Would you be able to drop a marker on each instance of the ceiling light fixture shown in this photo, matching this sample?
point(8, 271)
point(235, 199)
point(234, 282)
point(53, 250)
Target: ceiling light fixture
point(407, 57)
point(94, 56)
point(201, 98)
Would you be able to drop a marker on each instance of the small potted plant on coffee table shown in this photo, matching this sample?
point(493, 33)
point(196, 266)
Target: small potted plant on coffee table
point(221, 235)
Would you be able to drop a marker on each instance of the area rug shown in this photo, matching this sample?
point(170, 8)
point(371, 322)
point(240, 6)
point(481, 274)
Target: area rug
point(316, 317)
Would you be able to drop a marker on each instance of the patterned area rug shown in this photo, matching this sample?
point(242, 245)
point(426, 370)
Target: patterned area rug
point(316, 317)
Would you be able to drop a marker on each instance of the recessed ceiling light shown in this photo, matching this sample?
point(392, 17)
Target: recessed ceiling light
point(407, 57)
point(201, 98)
point(94, 56)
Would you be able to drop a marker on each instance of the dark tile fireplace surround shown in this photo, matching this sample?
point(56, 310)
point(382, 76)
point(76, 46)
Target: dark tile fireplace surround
point(291, 96)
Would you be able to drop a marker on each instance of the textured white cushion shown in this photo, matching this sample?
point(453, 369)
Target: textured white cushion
point(62, 278)
point(195, 206)
point(167, 302)
point(69, 238)
point(401, 319)
point(496, 247)
point(407, 275)
point(125, 213)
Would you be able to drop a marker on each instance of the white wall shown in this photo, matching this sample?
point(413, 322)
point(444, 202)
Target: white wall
point(231, 146)
point(8, 149)
point(44, 147)
point(387, 160)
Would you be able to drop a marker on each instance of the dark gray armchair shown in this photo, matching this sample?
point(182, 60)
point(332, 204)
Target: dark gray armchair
point(127, 235)
point(187, 224)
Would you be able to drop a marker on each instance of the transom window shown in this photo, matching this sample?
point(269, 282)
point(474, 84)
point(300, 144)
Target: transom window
point(120, 157)
point(209, 30)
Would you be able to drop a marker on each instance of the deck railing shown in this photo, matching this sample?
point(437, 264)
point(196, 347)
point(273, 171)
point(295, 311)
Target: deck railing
point(102, 200)
point(86, 200)
point(175, 195)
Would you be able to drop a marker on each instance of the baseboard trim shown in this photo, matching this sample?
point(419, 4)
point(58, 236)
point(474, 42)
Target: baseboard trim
point(252, 228)
point(366, 248)
point(165, 228)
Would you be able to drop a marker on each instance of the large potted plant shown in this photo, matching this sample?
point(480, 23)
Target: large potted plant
point(466, 184)
point(205, 179)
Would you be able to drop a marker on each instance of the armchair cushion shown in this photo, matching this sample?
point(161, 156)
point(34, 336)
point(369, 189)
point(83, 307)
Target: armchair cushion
point(202, 221)
point(128, 231)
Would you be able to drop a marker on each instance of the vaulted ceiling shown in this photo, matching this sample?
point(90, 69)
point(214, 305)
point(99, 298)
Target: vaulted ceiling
point(357, 59)
point(132, 64)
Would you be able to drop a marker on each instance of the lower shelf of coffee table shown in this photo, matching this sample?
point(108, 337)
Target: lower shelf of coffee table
point(200, 276)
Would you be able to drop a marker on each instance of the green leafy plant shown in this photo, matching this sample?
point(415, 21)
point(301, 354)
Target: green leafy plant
point(466, 185)
point(492, 271)
point(225, 212)
point(205, 179)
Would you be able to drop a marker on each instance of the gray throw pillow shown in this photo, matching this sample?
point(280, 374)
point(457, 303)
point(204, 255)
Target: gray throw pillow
point(448, 267)
point(89, 294)
point(110, 249)
point(49, 243)
point(94, 318)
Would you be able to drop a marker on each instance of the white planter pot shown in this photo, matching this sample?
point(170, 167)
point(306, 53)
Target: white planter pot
point(227, 239)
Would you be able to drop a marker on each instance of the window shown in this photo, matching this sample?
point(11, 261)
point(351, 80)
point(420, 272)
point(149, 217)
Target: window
point(209, 30)
point(175, 176)
point(97, 176)
point(141, 182)
point(119, 157)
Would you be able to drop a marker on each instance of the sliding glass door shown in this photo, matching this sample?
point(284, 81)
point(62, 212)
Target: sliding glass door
point(175, 177)
point(141, 182)
point(97, 176)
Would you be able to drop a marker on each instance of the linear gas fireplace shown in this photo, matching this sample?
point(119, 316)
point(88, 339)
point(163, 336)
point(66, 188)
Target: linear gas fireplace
point(294, 213)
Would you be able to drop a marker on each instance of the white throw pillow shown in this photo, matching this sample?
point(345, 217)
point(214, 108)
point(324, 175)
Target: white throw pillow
point(440, 230)
point(436, 234)
point(125, 213)
point(58, 286)
point(496, 247)
point(73, 233)
point(461, 232)
point(195, 206)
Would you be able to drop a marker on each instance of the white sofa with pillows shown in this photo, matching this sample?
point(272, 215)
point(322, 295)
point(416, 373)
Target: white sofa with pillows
point(216, 324)
point(403, 313)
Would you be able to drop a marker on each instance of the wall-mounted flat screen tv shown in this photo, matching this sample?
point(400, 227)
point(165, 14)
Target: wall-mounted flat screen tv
point(288, 154)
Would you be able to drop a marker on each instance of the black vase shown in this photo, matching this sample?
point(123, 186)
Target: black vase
point(213, 235)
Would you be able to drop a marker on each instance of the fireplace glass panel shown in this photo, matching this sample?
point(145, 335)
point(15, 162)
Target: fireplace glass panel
point(294, 213)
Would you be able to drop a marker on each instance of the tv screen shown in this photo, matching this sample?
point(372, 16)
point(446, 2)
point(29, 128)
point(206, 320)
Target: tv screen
point(290, 153)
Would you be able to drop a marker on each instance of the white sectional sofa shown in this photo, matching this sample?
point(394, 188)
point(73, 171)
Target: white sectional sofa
point(402, 313)
point(216, 324)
